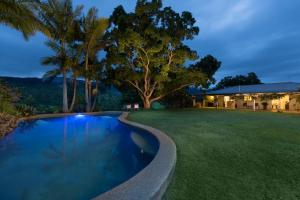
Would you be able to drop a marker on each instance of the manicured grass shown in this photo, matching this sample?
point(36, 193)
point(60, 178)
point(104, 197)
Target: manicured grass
point(231, 155)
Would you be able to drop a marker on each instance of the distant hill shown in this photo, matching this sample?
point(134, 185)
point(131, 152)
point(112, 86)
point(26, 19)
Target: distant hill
point(46, 97)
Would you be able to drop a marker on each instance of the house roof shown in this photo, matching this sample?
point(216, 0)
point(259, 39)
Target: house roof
point(289, 87)
point(195, 91)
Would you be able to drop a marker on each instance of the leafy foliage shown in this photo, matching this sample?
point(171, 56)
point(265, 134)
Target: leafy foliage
point(25, 110)
point(208, 65)
point(148, 52)
point(62, 22)
point(110, 100)
point(35, 93)
point(45, 96)
point(180, 99)
point(21, 15)
point(92, 32)
point(229, 81)
point(7, 99)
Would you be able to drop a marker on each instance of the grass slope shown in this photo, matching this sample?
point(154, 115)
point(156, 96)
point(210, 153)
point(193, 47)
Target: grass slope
point(231, 155)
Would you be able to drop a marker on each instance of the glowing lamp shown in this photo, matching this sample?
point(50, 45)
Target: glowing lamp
point(79, 116)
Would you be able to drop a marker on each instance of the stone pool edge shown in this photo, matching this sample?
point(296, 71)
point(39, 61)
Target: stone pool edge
point(151, 183)
point(56, 115)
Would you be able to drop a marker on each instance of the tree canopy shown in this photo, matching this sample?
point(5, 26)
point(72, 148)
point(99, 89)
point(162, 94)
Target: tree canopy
point(61, 20)
point(93, 29)
point(208, 65)
point(148, 52)
point(22, 15)
point(229, 81)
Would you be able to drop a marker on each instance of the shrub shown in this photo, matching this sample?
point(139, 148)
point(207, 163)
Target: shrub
point(25, 110)
point(110, 101)
point(7, 99)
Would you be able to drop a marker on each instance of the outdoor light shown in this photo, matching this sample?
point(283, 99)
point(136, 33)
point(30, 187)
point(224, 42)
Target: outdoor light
point(107, 117)
point(79, 116)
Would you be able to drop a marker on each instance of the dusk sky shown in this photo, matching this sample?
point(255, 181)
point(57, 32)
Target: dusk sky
point(246, 35)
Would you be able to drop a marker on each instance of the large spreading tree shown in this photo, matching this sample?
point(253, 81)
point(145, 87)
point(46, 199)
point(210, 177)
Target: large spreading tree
point(148, 52)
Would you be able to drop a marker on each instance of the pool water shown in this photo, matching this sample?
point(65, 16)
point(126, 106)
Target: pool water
point(74, 157)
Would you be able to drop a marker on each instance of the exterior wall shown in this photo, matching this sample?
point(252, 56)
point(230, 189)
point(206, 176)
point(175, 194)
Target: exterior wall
point(294, 105)
point(287, 102)
point(221, 102)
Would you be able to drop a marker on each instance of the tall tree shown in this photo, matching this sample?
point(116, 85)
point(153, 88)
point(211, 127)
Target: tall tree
point(61, 20)
point(229, 81)
point(71, 59)
point(148, 51)
point(208, 65)
point(20, 15)
point(75, 63)
point(93, 30)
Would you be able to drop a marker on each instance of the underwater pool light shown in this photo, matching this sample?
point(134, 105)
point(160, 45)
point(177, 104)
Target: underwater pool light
point(79, 116)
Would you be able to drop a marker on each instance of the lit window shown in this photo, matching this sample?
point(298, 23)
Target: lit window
point(226, 98)
point(210, 98)
point(247, 98)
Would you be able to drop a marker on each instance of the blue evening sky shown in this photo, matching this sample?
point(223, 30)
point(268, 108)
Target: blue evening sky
point(246, 35)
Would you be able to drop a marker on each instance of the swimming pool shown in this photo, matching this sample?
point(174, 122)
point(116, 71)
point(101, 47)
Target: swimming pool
point(72, 157)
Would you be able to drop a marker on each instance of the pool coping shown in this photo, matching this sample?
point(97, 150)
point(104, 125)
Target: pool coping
point(55, 115)
point(152, 182)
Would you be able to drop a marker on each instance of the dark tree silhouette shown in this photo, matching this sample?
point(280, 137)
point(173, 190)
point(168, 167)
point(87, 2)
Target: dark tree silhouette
point(229, 81)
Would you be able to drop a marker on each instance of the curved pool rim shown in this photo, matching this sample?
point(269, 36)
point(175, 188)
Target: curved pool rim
point(151, 182)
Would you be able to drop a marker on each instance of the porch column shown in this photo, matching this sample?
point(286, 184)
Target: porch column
point(254, 108)
point(194, 101)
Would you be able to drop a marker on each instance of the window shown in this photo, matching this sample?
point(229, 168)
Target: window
point(227, 98)
point(247, 98)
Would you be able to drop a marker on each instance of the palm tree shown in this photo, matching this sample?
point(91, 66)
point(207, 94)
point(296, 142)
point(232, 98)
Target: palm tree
point(61, 20)
point(21, 15)
point(93, 29)
point(74, 61)
point(67, 58)
point(97, 74)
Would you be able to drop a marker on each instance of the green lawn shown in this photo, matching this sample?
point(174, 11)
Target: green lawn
point(230, 154)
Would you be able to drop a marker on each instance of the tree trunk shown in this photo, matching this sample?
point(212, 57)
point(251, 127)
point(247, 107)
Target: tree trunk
point(90, 94)
point(74, 94)
point(96, 96)
point(87, 95)
point(65, 93)
point(86, 85)
point(147, 104)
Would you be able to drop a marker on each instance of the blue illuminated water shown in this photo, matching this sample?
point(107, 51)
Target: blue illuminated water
point(75, 157)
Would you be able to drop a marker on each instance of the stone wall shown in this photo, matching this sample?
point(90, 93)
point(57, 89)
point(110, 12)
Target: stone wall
point(7, 124)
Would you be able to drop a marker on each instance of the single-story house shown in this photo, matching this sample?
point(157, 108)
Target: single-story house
point(270, 96)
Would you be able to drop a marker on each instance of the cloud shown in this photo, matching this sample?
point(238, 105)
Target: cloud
point(234, 16)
